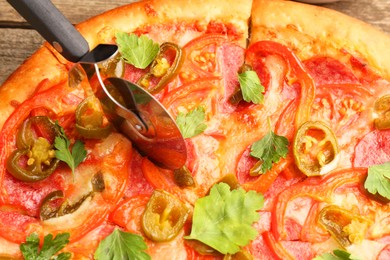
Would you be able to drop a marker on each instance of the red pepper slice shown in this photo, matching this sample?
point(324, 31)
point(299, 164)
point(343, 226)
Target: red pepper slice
point(296, 72)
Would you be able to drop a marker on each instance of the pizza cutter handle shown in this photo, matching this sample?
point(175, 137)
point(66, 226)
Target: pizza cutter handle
point(53, 26)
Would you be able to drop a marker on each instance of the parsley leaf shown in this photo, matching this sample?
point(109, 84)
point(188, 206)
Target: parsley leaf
point(122, 245)
point(251, 88)
point(74, 158)
point(224, 218)
point(378, 180)
point(50, 246)
point(138, 51)
point(270, 149)
point(192, 123)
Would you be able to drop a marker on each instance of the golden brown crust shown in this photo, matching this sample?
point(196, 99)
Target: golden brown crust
point(313, 30)
point(167, 12)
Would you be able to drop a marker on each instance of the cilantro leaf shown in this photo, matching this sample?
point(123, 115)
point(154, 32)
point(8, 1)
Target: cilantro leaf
point(270, 149)
point(378, 180)
point(74, 158)
point(192, 123)
point(251, 88)
point(50, 246)
point(224, 218)
point(138, 51)
point(122, 245)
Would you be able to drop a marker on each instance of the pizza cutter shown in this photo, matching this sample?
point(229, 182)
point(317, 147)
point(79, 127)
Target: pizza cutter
point(133, 110)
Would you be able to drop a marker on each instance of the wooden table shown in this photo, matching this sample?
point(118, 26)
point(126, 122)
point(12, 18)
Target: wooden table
point(18, 40)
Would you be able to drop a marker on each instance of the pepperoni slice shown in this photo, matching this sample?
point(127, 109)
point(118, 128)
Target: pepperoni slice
point(326, 71)
point(374, 148)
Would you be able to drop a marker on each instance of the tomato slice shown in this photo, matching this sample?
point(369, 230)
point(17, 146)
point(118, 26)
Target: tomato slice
point(192, 94)
point(201, 59)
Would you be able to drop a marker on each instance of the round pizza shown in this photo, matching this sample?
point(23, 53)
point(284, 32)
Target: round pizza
point(285, 113)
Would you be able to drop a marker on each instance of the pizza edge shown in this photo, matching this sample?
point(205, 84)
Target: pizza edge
point(313, 30)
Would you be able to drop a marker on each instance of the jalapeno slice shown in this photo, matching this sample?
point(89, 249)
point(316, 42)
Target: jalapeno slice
point(315, 148)
point(344, 226)
point(48, 207)
point(382, 109)
point(34, 160)
point(231, 180)
point(90, 121)
point(162, 69)
point(241, 255)
point(114, 67)
point(183, 177)
point(55, 205)
point(164, 216)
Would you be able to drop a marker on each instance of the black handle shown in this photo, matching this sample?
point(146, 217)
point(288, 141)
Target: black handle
point(53, 26)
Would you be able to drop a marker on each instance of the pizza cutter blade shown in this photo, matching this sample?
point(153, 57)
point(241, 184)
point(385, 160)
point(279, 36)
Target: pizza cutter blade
point(134, 111)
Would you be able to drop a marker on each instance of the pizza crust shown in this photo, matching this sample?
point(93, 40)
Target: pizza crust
point(102, 28)
point(313, 30)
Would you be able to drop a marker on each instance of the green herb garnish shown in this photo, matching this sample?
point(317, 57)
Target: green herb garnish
point(137, 51)
point(50, 246)
point(122, 245)
point(192, 123)
point(224, 218)
point(251, 88)
point(270, 149)
point(62, 144)
point(378, 180)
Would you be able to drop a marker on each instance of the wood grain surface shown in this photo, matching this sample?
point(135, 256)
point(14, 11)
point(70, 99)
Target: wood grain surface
point(18, 40)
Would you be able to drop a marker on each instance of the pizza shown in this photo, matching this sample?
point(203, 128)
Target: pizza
point(284, 108)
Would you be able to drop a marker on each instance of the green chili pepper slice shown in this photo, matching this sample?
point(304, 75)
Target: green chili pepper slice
point(344, 226)
point(55, 205)
point(183, 177)
point(34, 160)
point(48, 208)
point(240, 255)
point(90, 122)
point(162, 69)
point(164, 216)
point(382, 109)
point(315, 148)
point(114, 67)
point(231, 180)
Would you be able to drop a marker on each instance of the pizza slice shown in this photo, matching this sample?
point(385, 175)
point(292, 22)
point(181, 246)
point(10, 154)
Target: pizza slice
point(325, 77)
